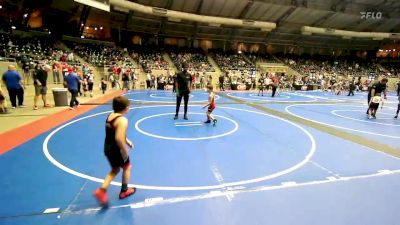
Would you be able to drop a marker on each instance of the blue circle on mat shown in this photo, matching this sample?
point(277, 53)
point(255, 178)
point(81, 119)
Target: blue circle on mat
point(257, 149)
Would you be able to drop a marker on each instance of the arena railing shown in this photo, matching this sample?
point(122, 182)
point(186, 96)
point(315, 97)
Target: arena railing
point(7, 59)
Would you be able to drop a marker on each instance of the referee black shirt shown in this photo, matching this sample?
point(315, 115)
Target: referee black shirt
point(379, 87)
point(184, 80)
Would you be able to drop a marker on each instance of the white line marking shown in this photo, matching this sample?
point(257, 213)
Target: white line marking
point(261, 97)
point(220, 180)
point(137, 127)
point(331, 178)
point(179, 123)
point(188, 125)
point(172, 95)
point(51, 210)
point(331, 125)
point(385, 172)
point(315, 97)
point(235, 188)
point(215, 194)
point(269, 100)
point(364, 121)
point(153, 96)
point(182, 188)
point(324, 169)
point(153, 200)
point(289, 183)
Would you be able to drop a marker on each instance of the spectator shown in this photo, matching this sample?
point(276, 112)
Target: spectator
point(15, 87)
point(27, 73)
point(90, 82)
point(125, 81)
point(148, 80)
point(275, 85)
point(72, 80)
point(112, 81)
point(103, 85)
point(221, 82)
point(71, 57)
point(56, 73)
point(134, 79)
point(3, 106)
point(40, 83)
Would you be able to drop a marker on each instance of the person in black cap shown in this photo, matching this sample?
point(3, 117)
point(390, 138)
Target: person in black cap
point(183, 83)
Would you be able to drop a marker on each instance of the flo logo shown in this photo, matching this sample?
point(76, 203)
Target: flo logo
point(371, 15)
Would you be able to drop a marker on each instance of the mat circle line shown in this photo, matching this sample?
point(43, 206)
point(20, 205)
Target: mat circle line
point(291, 169)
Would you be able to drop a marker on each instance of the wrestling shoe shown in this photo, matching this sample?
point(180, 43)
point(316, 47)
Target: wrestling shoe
point(101, 196)
point(127, 193)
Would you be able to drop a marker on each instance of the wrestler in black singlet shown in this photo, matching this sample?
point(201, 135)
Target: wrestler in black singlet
point(111, 149)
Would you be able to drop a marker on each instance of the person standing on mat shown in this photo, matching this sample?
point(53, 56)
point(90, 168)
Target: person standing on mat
point(275, 85)
point(352, 87)
point(211, 105)
point(398, 108)
point(376, 89)
point(373, 106)
point(116, 150)
point(183, 84)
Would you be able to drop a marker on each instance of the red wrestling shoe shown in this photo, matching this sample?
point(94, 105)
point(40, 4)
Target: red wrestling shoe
point(101, 196)
point(127, 193)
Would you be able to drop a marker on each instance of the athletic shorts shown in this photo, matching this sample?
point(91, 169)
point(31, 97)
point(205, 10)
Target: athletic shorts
point(2, 98)
point(90, 85)
point(40, 90)
point(211, 109)
point(115, 158)
point(374, 106)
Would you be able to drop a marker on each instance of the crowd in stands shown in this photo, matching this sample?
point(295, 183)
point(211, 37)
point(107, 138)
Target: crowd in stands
point(27, 48)
point(260, 58)
point(195, 58)
point(229, 61)
point(327, 65)
point(149, 58)
point(99, 55)
point(392, 67)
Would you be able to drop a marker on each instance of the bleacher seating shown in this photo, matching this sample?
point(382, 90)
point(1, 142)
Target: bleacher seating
point(195, 58)
point(150, 58)
point(230, 61)
point(28, 48)
point(99, 55)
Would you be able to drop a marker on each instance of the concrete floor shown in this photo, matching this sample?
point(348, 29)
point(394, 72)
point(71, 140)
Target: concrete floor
point(22, 116)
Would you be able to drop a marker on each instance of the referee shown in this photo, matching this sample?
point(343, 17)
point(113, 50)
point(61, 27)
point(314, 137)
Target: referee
point(183, 83)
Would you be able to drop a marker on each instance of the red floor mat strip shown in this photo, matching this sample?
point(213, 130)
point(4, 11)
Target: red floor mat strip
point(20, 135)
